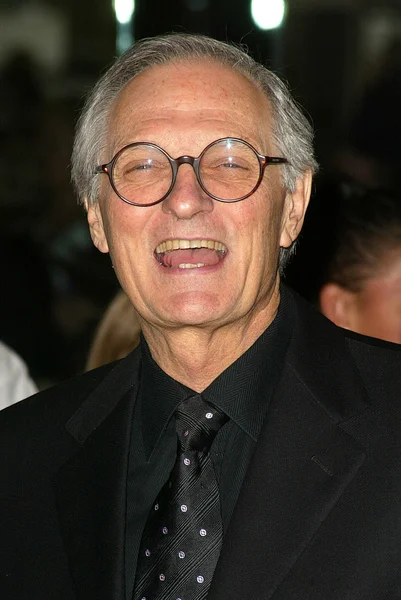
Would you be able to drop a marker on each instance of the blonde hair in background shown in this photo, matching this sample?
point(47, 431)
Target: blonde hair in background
point(117, 334)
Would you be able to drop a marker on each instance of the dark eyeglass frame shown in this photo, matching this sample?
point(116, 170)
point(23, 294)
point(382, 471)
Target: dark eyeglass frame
point(175, 163)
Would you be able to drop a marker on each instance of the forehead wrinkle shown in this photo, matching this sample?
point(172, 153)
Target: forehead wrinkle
point(186, 115)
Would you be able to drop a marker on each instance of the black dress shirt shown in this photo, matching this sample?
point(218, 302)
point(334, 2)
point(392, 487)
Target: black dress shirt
point(242, 391)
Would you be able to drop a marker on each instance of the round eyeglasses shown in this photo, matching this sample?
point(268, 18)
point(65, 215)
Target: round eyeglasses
point(227, 170)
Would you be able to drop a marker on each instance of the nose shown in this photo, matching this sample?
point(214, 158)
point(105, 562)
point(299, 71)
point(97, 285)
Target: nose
point(187, 198)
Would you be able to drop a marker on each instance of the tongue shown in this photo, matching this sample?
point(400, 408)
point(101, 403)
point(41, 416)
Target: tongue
point(196, 255)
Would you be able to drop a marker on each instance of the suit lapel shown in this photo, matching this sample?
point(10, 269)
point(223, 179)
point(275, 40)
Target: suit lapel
point(90, 488)
point(302, 464)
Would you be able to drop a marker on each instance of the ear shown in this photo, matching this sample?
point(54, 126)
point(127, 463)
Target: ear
point(96, 227)
point(296, 203)
point(338, 305)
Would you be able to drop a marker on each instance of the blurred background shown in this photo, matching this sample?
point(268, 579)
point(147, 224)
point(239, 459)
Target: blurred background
point(342, 59)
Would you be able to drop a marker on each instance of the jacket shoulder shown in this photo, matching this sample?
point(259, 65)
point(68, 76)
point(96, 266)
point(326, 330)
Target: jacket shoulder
point(374, 346)
point(379, 363)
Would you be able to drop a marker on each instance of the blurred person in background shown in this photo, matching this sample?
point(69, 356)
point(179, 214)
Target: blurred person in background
point(15, 382)
point(117, 333)
point(362, 288)
point(348, 260)
point(248, 448)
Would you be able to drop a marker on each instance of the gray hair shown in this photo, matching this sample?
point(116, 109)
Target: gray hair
point(291, 131)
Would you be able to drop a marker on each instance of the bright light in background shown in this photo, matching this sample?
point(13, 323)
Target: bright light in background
point(124, 10)
point(268, 14)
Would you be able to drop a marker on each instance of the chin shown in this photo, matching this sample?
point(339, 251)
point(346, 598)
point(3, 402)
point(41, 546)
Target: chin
point(195, 308)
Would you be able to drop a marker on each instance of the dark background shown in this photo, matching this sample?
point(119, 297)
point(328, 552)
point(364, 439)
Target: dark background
point(341, 58)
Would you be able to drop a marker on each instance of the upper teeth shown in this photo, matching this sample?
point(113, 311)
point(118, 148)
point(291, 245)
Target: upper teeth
point(170, 245)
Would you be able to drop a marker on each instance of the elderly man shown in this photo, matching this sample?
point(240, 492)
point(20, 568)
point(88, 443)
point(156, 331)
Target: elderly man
point(248, 449)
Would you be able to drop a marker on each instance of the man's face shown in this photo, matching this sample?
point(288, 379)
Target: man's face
point(184, 107)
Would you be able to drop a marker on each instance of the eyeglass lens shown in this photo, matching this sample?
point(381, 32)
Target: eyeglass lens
point(228, 169)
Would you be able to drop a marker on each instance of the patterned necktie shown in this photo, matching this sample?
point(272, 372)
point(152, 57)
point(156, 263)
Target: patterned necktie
point(183, 533)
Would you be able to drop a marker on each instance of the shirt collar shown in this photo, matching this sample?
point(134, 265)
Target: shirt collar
point(242, 391)
point(159, 396)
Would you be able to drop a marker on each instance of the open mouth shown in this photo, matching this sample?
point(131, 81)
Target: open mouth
point(190, 254)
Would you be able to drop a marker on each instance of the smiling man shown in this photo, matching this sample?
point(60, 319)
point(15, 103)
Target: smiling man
point(201, 272)
point(248, 448)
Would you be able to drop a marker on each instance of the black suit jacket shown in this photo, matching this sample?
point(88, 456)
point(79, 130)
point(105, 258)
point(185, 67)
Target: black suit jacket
point(319, 514)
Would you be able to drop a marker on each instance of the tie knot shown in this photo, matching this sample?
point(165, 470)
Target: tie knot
point(197, 423)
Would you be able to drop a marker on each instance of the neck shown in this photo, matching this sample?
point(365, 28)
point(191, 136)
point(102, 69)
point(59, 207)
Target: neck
point(195, 356)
